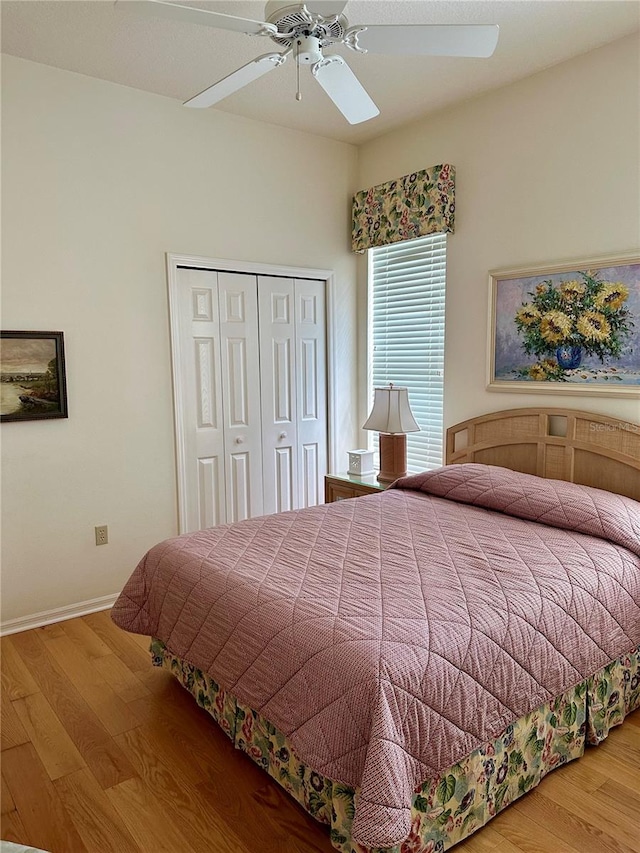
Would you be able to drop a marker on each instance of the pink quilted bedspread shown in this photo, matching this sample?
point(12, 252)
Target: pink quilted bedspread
point(390, 636)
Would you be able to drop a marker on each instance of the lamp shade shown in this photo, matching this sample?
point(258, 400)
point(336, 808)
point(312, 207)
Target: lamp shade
point(391, 411)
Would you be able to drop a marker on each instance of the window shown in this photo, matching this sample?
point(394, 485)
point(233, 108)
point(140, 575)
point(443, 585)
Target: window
point(406, 336)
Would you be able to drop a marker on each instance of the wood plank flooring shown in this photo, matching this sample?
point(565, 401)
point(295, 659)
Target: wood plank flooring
point(103, 753)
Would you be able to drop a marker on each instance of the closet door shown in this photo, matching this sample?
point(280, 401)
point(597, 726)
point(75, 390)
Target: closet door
point(197, 364)
point(277, 380)
point(250, 390)
point(311, 393)
point(240, 367)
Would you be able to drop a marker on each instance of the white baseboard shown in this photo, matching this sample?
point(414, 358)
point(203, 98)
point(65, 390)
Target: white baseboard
point(48, 617)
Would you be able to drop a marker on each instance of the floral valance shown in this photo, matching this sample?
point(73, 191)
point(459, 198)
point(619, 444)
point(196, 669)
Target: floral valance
point(412, 206)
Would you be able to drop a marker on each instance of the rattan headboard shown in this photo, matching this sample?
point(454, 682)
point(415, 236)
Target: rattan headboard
point(563, 444)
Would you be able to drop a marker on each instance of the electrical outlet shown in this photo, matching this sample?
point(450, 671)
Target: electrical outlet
point(102, 535)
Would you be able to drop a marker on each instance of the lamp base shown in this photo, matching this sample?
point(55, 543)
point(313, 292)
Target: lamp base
point(393, 456)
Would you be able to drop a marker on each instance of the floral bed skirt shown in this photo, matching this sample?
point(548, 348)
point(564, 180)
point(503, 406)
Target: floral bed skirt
point(465, 797)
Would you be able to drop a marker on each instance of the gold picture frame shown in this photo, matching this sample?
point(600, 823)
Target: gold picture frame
point(568, 328)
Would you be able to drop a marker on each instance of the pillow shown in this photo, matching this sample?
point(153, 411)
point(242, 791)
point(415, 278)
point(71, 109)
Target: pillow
point(557, 503)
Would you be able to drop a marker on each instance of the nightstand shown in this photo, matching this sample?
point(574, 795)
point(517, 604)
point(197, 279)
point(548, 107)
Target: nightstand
point(339, 487)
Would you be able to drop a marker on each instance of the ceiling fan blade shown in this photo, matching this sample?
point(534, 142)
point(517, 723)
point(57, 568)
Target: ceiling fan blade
point(326, 8)
point(344, 89)
point(430, 40)
point(230, 84)
point(175, 12)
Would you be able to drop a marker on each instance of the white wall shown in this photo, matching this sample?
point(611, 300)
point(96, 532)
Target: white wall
point(547, 169)
point(99, 181)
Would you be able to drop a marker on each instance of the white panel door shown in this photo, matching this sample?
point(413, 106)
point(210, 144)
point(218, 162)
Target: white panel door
point(238, 304)
point(311, 394)
point(202, 452)
point(277, 380)
point(251, 398)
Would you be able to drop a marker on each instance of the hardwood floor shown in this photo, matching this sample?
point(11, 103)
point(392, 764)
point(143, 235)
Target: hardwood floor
point(102, 752)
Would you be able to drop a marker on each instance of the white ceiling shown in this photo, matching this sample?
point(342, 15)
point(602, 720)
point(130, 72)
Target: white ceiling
point(107, 41)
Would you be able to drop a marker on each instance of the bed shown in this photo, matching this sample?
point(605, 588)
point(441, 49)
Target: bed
point(407, 664)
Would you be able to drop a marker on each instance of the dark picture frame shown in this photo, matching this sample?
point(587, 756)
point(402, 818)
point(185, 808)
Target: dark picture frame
point(33, 381)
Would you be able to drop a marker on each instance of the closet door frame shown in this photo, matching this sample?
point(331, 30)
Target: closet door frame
point(174, 262)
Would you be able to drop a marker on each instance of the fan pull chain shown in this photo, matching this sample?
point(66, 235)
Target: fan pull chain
point(298, 93)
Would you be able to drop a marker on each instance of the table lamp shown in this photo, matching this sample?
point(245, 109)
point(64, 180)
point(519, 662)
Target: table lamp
point(391, 416)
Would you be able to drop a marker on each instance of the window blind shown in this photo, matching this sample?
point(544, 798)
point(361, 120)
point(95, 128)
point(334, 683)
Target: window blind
point(406, 336)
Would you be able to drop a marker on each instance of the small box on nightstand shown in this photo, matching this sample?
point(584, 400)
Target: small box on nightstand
point(360, 462)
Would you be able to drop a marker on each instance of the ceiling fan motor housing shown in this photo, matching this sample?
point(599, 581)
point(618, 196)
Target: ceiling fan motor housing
point(295, 24)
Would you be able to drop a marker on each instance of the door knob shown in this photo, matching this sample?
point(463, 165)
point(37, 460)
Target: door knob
point(239, 440)
point(282, 435)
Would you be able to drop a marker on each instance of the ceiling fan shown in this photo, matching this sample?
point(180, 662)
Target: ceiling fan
point(306, 30)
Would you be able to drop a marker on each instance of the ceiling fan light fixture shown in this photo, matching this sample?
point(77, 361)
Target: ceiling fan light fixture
point(308, 50)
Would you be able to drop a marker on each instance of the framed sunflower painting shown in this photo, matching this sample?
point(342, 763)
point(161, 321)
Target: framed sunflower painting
point(571, 328)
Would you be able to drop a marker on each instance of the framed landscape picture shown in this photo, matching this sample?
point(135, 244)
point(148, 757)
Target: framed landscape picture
point(32, 376)
point(571, 328)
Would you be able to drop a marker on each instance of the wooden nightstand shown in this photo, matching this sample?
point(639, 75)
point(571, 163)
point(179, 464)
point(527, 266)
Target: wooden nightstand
point(339, 487)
